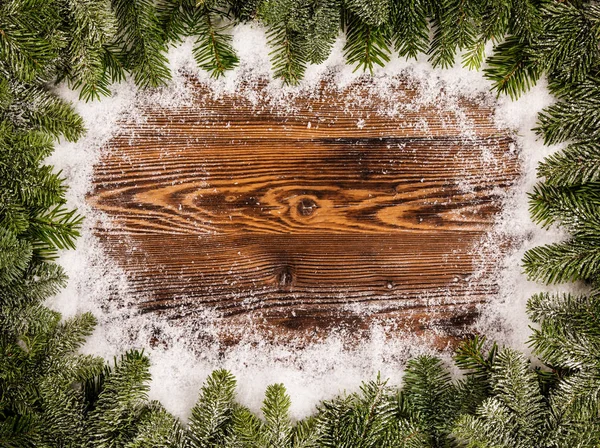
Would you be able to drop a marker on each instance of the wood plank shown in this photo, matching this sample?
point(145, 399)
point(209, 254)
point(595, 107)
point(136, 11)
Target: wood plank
point(234, 207)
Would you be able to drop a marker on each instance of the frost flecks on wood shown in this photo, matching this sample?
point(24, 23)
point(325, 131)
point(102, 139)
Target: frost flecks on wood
point(303, 222)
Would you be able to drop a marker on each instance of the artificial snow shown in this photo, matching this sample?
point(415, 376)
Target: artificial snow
point(321, 370)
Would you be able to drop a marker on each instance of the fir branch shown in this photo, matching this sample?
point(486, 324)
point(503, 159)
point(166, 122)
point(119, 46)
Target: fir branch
point(320, 28)
point(373, 413)
point(512, 69)
point(477, 368)
point(526, 20)
point(372, 13)
point(39, 281)
point(159, 429)
point(246, 429)
point(21, 318)
point(29, 38)
point(287, 57)
point(569, 46)
point(576, 208)
point(213, 413)
point(577, 401)
point(443, 47)
point(27, 183)
point(15, 256)
point(121, 402)
point(546, 306)
point(474, 55)
point(14, 217)
point(39, 189)
point(568, 340)
point(562, 262)
point(568, 336)
point(454, 25)
point(283, 19)
point(306, 434)
point(410, 27)
point(277, 430)
point(92, 26)
point(23, 149)
point(515, 416)
point(430, 393)
point(572, 429)
point(53, 229)
point(176, 18)
point(493, 20)
point(472, 360)
point(334, 418)
point(114, 60)
point(142, 40)
point(406, 434)
point(19, 431)
point(244, 10)
point(360, 420)
point(62, 412)
point(366, 45)
point(576, 116)
point(578, 163)
point(28, 192)
point(34, 108)
point(488, 428)
point(69, 336)
point(212, 50)
point(40, 372)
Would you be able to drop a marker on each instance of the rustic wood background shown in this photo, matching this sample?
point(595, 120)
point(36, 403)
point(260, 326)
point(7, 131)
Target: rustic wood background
point(324, 214)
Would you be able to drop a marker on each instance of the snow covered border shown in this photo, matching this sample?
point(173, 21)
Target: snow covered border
point(325, 369)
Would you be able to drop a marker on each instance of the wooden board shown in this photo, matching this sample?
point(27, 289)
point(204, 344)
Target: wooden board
point(334, 215)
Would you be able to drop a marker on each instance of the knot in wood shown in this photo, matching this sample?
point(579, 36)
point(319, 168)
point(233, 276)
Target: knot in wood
point(285, 277)
point(306, 206)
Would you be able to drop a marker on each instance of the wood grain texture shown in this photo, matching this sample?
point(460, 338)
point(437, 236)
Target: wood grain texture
point(336, 214)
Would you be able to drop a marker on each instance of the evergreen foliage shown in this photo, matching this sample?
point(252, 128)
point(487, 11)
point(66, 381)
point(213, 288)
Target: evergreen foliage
point(244, 10)
point(366, 45)
point(567, 340)
point(362, 419)
point(568, 48)
point(430, 398)
point(121, 403)
point(321, 29)
point(208, 22)
point(212, 415)
point(213, 51)
point(570, 195)
point(453, 28)
point(30, 107)
point(31, 38)
point(140, 44)
point(40, 401)
point(93, 43)
point(51, 395)
point(410, 27)
point(287, 54)
point(371, 12)
point(32, 196)
point(511, 69)
point(93, 27)
point(578, 163)
point(515, 414)
point(300, 32)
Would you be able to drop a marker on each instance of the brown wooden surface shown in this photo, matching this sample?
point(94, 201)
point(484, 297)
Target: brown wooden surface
point(296, 229)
